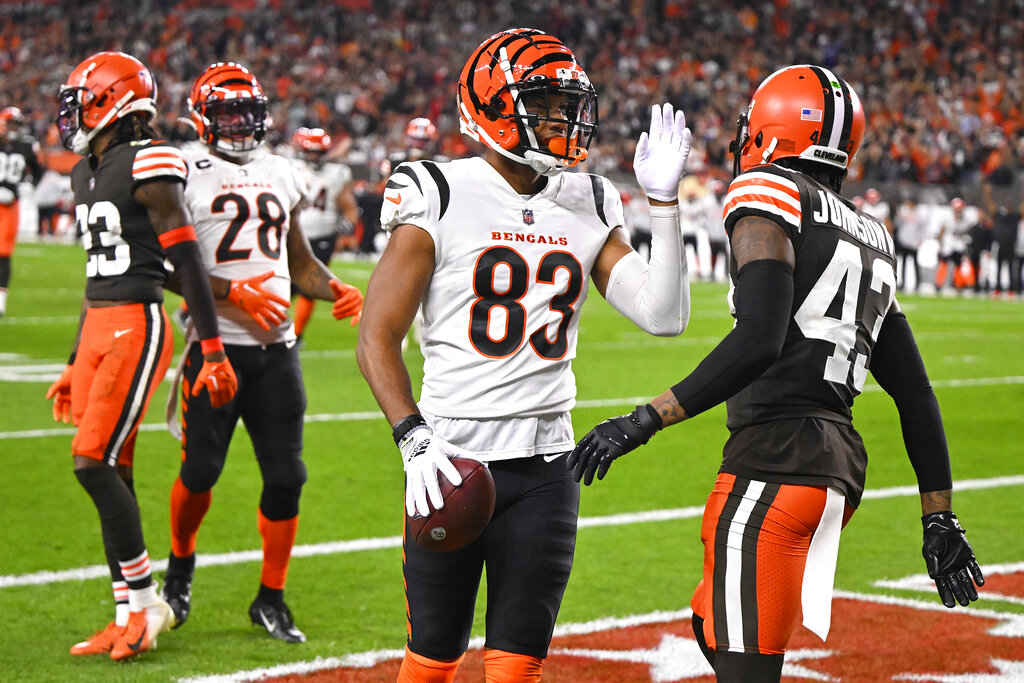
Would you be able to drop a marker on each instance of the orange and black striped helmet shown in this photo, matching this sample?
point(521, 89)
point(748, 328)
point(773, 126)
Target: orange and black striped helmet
point(800, 111)
point(519, 80)
point(229, 108)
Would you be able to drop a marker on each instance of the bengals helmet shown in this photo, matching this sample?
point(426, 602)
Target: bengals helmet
point(800, 111)
point(515, 82)
point(229, 108)
point(420, 133)
point(312, 144)
point(101, 90)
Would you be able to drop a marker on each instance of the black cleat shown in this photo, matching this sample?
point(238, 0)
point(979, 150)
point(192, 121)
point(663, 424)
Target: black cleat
point(178, 594)
point(277, 620)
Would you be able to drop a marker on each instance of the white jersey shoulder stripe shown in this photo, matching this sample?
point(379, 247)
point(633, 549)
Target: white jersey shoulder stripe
point(764, 192)
point(155, 162)
point(770, 208)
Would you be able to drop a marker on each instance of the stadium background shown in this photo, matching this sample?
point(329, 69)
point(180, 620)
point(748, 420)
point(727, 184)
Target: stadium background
point(943, 87)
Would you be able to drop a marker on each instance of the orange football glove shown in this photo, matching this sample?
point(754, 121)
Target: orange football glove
point(60, 392)
point(348, 301)
point(219, 379)
point(249, 295)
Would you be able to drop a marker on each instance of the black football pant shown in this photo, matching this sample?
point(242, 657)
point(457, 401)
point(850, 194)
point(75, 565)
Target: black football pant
point(527, 550)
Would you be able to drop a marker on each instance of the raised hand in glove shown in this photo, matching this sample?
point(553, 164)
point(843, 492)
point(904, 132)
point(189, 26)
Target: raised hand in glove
point(60, 392)
point(265, 307)
point(424, 454)
point(218, 378)
point(949, 558)
point(661, 154)
point(611, 439)
point(348, 301)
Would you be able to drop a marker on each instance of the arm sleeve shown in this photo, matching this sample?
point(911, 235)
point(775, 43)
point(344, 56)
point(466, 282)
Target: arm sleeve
point(897, 366)
point(763, 298)
point(655, 295)
point(195, 286)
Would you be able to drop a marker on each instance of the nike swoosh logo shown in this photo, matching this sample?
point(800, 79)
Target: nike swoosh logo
point(291, 343)
point(271, 625)
point(552, 458)
point(395, 200)
point(134, 647)
point(120, 333)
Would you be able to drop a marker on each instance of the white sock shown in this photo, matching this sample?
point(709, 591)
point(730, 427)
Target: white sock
point(140, 599)
point(121, 612)
point(3, 301)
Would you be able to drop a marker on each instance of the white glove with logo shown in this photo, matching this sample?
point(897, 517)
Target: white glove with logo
point(661, 155)
point(424, 454)
point(7, 196)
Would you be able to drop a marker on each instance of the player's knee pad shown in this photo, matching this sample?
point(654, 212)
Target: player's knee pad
point(282, 487)
point(511, 667)
point(199, 475)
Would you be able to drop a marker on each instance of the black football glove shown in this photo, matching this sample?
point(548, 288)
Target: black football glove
point(610, 439)
point(948, 556)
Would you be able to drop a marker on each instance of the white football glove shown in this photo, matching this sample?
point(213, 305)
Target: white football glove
point(7, 196)
point(661, 155)
point(423, 454)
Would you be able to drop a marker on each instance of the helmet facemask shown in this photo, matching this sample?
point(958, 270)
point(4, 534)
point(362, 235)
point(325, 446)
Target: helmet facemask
point(548, 103)
point(69, 120)
point(235, 126)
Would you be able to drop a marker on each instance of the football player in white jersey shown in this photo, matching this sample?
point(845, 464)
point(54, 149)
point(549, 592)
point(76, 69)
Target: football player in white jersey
point(246, 204)
point(498, 251)
point(330, 210)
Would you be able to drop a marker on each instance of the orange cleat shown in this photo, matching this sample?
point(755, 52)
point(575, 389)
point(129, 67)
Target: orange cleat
point(99, 643)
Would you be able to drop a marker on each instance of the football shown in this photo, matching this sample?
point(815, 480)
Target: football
point(467, 510)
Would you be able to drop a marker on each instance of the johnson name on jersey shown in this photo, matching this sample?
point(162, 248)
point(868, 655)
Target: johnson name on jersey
point(510, 275)
point(126, 261)
point(320, 217)
point(844, 284)
point(241, 214)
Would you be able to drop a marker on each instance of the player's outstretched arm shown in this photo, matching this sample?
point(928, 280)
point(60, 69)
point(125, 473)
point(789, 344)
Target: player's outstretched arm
point(654, 295)
point(897, 366)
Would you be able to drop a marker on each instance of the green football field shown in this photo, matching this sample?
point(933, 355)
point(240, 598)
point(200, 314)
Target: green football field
point(345, 583)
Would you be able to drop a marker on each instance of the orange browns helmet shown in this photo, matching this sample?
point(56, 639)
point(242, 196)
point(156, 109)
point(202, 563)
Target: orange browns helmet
point(11, 120)
point(102, 89)
point(515, 81)
point(229, 108)
point(800, 111)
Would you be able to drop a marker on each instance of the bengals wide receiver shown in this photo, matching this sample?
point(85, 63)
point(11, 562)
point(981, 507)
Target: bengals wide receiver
point(131, 218)
point(246, 205)
point(793, 467)
point(498, 251)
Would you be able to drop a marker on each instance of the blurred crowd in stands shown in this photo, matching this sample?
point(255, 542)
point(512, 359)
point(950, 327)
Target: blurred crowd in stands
point(942, 81)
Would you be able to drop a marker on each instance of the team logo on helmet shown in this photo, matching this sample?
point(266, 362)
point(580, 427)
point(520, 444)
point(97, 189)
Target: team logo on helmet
point(523, 94)
point(102, 89)
point(800, 111)
point(229, 108)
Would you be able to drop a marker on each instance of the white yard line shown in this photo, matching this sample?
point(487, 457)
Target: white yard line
point(362, 544)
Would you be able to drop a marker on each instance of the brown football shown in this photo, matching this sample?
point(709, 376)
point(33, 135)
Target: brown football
point(467, 510)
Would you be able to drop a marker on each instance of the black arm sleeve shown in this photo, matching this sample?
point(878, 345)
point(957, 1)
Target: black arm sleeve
point(897, 367)
point(763, 298)
point(195, 287)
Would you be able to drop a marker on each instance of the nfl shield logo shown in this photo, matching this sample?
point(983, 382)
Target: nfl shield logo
point(528, 216)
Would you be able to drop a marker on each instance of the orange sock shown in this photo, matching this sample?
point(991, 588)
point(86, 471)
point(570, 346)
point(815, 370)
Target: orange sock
point(278, 540)
point(419, 669)
point(303, 311)
point(940, 274)
point(509, 667)
point(187, 511)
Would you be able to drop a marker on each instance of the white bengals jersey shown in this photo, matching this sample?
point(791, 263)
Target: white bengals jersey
point(320, 217)
point(241, 214)
point(501, 311)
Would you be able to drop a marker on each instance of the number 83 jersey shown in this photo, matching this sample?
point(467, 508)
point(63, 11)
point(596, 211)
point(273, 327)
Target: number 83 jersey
point(510, 275)
point(844, 284)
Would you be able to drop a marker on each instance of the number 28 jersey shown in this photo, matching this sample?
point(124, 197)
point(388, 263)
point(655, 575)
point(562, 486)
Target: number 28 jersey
point(242, 215)
point(510, 275)
point(844, 284)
